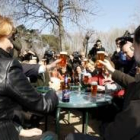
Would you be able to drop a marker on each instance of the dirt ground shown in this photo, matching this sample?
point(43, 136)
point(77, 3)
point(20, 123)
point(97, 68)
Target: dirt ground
point(75, 124)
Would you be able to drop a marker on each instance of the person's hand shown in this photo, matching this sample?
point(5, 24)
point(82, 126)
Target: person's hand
point(106, 54)
point(118, 49)
point(108, 66)
point(71, 57)
point(108, 80)
point(137, 70)
point(54, 83)
point(30, 132)
point(31, 52)
point(100, 88)
point(53, 64)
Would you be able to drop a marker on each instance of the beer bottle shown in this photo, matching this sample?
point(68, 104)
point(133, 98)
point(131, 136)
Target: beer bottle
point(76, 79)
point(72, 79)
point(62, 85)
point(65, 91)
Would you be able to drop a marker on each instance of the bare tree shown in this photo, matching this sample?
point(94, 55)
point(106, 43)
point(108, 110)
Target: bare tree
point(135, 19)
point(86, 40)
point(43, 13)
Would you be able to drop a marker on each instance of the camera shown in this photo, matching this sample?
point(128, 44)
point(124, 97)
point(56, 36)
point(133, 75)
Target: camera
point(49, 56)
point(29, 56)
point(123, 40)
point(76, 59)
point(76, 55)
point(126, 37)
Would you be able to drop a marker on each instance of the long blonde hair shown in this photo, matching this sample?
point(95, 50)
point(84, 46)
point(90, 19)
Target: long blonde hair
point(6, 27)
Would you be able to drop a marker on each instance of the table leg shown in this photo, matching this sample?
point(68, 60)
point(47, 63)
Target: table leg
point(46, 123)
point(57, 121)
point(69, 117)
point(85, 122)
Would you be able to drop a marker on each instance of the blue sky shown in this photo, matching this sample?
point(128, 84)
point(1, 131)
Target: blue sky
point(114, 14)
point(111, 14)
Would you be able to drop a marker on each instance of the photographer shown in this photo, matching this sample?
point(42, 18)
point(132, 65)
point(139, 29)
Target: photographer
point(97, 47)
point(124, 59)
point(49, 56)
point(75, 60)
point(118, 57)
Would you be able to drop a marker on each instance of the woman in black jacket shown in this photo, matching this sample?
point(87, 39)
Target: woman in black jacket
point(15, 90)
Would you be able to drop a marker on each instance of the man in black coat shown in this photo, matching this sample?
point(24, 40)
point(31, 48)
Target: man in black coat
point(97, 47)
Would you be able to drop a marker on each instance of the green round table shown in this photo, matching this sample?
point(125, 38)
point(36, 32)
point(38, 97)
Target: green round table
point(42, 89)
point(81, 100)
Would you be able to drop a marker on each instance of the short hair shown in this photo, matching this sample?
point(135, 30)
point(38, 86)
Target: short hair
point(118, 39)
point(6, 26)
point(98, 40)
point(137, 35)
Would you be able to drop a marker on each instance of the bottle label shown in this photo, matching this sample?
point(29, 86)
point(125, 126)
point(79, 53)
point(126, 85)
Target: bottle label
point(65, 95)
point(66, 80)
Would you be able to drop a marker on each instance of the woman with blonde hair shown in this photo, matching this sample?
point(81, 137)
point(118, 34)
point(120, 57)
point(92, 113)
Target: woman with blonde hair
point(6, 27)
point(17, 93)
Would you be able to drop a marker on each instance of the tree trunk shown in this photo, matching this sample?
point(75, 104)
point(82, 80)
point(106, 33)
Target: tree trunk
point(61, 30)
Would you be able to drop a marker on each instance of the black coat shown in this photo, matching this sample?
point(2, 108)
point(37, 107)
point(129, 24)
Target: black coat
point(127, 123)
point(93, 52)
point(31, 71)
point(16, 92)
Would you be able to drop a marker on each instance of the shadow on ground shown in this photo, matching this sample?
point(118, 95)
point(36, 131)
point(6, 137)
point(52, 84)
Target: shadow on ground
point(75, 124)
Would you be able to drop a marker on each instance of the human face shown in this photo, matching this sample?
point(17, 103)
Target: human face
point(99, 44)
point(118, 44)
point(90, 67)
point(71, 57)
point(83, 64)
point(105, 71)
point(82, 55)
point(128, 50)
point(6, 45)
point(137, 52)
point(63, 70)
point(78, 69)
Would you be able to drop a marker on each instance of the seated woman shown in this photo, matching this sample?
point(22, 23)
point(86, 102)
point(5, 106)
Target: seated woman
point(78, 73)
point(56, 73)
point(104, 80)
point(90, 66)
point(16, 92)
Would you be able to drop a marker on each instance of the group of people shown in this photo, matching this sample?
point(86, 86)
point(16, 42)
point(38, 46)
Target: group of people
point(126, 124)
point(17, 94)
